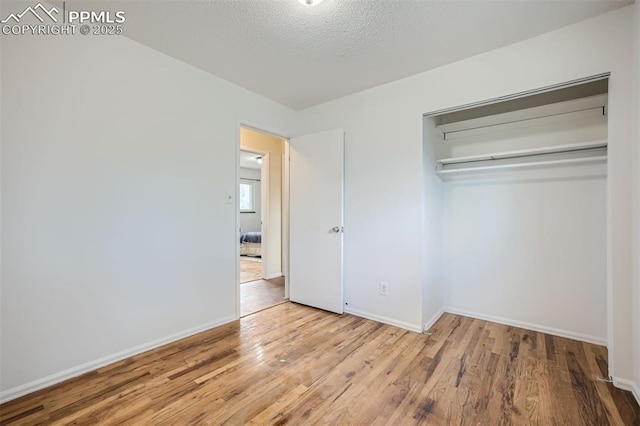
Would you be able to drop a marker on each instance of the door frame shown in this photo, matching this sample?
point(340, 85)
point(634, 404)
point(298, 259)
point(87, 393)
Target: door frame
point(285, 204)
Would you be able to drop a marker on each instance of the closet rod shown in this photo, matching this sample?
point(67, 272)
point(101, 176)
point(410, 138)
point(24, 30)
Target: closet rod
point(520, 165)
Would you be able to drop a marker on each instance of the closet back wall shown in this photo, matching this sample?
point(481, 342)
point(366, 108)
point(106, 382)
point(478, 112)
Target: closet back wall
point(529, 250)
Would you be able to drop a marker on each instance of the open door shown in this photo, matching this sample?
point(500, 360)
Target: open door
point(316, 176)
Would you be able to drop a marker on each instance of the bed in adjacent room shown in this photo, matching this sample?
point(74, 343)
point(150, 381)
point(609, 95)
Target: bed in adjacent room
point(251, 244)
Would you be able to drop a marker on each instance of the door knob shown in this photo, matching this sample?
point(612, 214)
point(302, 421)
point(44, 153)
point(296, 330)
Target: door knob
point(336, 229)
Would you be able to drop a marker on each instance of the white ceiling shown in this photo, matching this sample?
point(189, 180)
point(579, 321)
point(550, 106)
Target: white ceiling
point(249, 160)
point(301, 56)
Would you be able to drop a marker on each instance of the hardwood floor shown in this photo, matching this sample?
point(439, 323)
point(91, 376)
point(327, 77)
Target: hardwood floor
point(250, 269)
point(295, 364)
point(260, 294)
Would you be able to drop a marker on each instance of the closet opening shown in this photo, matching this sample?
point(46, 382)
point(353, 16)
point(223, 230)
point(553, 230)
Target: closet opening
point(516, 200)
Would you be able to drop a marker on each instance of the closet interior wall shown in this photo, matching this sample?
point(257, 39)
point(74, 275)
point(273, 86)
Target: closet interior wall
point(523, 199)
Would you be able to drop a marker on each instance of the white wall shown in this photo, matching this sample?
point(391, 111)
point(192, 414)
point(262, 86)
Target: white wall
point(384, 162)
point(636, 168)
point(529, 249)
point(116, 164)
point(250, 222)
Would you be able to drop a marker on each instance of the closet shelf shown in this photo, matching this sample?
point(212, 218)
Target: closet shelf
point(555, 149)
point(584, 108)
point(567, 161)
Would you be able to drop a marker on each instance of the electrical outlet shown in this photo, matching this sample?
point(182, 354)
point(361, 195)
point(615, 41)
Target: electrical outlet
point(384, 289)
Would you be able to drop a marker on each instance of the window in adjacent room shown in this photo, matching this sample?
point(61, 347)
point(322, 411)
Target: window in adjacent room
point(247, 201)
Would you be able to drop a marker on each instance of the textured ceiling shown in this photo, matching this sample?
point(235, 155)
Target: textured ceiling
point(302, 56)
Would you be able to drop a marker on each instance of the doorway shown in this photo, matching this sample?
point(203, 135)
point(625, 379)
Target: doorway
point(260, 210)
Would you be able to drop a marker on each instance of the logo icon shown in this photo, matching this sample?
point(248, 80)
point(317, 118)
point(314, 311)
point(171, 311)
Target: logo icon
point(34, 11)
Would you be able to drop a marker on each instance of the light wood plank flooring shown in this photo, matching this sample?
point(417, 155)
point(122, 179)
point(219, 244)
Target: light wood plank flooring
point(299, 365)
point(260, 294)
point(250, 269)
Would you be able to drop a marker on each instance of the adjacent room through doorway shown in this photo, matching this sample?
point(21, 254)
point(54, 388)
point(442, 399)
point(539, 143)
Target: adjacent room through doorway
point(260, 204)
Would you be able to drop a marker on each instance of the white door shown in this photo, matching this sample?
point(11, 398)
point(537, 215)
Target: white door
point(316, 176)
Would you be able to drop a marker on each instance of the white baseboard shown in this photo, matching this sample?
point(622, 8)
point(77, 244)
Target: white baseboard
point(272, 276)
point(36, 385)
point(436, 317)
point(530, 326)
point(385, 320)
point(628, 385)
